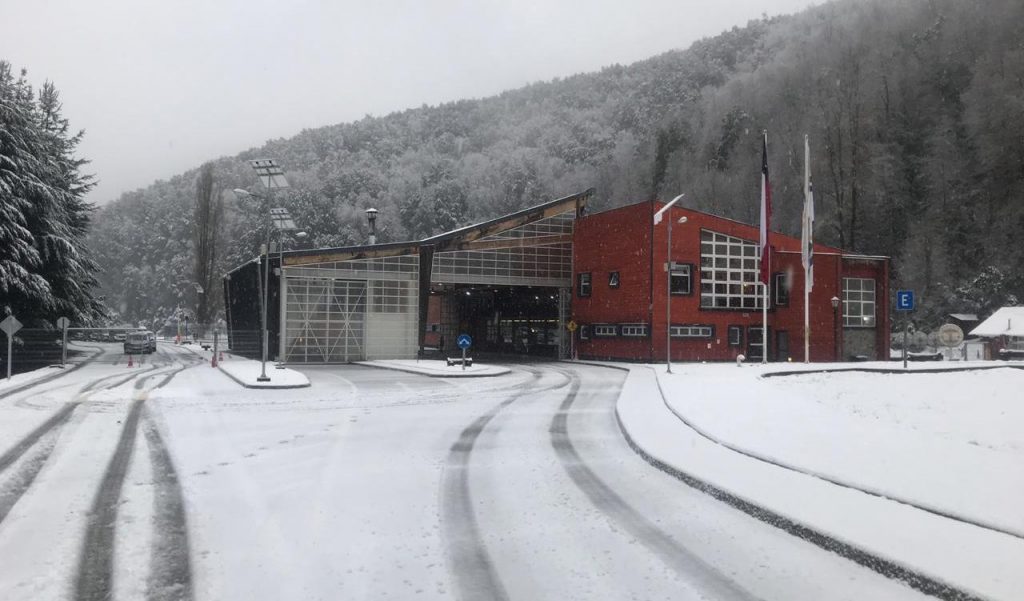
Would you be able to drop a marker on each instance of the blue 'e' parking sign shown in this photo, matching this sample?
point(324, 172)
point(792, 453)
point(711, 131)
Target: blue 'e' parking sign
point(904, 300)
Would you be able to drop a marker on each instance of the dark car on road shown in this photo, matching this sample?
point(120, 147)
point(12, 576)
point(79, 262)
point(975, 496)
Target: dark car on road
point(139, 342)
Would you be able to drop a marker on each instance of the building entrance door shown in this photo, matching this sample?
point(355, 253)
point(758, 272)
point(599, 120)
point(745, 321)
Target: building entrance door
point(781, 346)
point(755, 345)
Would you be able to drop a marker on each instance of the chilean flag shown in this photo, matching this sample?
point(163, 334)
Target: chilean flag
point(766, 213)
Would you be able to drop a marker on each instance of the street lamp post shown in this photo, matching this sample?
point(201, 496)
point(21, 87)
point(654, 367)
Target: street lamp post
point(272, 177)
point(835, 327)
point(668, 280)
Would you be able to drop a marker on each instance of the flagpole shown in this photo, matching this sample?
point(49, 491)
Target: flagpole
point(765, 246)
point(806, 250)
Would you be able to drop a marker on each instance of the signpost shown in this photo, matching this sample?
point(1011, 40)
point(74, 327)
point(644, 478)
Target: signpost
point(62, 325)
point(464, 342)
point(905, 302)
point(10, 326)
point(571, 326)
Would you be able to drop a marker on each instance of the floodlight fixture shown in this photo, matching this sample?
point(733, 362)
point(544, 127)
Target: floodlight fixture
point(270, 173)
point(282, 220)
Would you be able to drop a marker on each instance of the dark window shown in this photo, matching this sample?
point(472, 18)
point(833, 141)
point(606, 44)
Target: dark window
point(584, 332)
point(584, 285)
point(604, 330)
point(680, 280)
point(735, 335)
point(613, 279)
point(781, 283)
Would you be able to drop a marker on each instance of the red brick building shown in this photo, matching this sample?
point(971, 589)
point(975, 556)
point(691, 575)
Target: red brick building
point(621, 290)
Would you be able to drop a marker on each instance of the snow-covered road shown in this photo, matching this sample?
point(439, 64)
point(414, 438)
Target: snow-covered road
point(172, 482)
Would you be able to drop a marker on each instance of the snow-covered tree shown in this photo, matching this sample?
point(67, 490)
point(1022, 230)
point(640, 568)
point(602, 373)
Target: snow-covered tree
point(44, 271)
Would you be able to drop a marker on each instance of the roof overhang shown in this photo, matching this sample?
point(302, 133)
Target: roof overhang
point(465, 238)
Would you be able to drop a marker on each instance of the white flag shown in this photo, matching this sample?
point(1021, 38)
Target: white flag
point(807, 235)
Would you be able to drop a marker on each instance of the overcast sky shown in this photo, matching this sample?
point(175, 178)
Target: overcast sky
point(162, 86)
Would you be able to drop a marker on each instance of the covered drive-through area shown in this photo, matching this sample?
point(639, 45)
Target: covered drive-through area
point(505, 282)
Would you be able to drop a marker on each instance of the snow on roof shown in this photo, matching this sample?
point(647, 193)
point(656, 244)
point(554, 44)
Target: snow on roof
point(964, 316)
point(1008, 321)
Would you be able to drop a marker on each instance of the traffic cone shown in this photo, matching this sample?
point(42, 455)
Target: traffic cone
point(130, 361)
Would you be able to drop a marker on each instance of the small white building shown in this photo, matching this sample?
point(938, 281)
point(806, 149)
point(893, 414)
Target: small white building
point(1004, 332)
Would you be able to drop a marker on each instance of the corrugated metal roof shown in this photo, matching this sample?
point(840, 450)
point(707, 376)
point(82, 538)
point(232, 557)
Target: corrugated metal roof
point(1008, 321)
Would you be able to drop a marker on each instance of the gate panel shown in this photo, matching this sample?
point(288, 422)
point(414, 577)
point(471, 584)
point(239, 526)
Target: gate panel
point(325, 320)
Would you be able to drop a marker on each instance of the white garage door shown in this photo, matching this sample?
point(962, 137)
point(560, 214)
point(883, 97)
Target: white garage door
point(325, 320)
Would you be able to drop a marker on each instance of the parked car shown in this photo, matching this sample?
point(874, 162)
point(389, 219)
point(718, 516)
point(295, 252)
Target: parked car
point(139, 342)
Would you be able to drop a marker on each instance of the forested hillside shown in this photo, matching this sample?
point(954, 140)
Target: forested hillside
point(915, 111)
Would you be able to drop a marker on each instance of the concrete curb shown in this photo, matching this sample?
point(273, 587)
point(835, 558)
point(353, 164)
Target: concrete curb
point(410, 370)
point(51, 377)
point(261, 387)
point(888, 568)
point(889, 370)
point(595, 364)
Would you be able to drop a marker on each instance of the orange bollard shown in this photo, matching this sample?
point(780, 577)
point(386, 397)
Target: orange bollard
point(221, 356)
point(129, 360)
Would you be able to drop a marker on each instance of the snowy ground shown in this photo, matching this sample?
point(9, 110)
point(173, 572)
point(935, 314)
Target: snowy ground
point(438, 368)
point(941, 441)
point(247, 372)
point(169, 481)
point(947, 441)
point(83, 354)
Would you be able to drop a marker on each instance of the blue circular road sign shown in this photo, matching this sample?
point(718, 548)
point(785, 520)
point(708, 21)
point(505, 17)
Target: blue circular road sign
point(464, 341)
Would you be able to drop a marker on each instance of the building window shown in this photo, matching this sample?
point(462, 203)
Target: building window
point(680, 279)
point(391, 297)
point(604, 331)
point(634, 330)
point(584, 285)
point(584, 332)
point(693, 331)
point(858, 302)
point(781, 285)
point(729, 270)
point(613, 279)
point(735, 335)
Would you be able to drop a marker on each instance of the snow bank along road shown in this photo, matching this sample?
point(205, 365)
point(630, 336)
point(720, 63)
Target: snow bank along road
point(169, 484)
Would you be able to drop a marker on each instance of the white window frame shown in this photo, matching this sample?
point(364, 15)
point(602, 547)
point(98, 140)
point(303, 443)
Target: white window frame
point(702, 331)
point(730, 270)
point(604, 330)
point(634, 330)
point(859, 302)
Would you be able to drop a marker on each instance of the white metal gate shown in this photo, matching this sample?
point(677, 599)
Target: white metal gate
point(325, 320)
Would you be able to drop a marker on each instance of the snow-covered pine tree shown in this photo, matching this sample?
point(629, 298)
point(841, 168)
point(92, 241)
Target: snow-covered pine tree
point(21, 284)
point(44, 271)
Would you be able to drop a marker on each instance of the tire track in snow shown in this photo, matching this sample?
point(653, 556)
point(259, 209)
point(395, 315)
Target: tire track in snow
point(471, 564)
point(684, 562)
point(26, 475)
point(95, 568)
point(170, 580)
point(170, 570)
